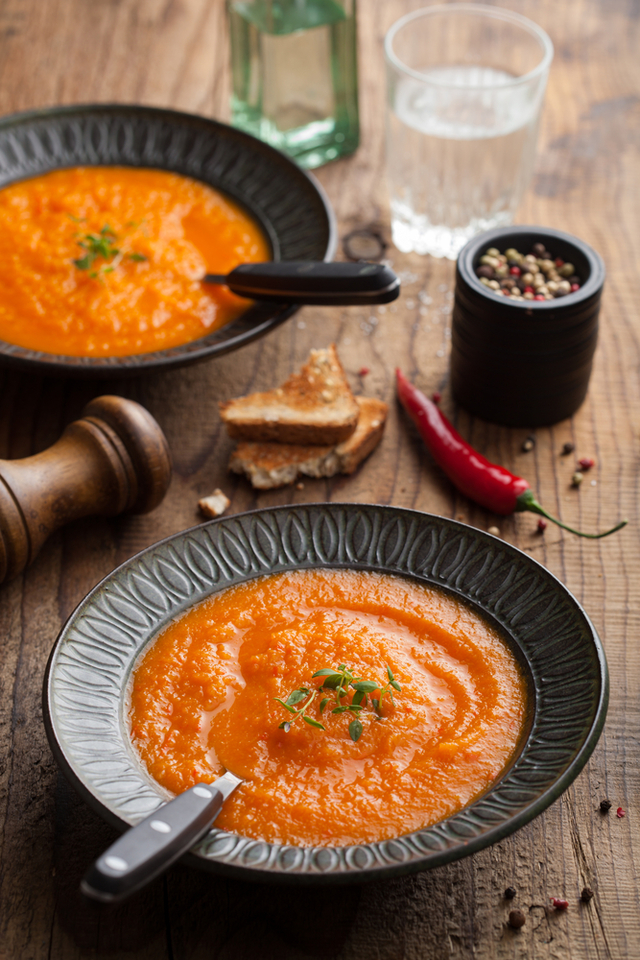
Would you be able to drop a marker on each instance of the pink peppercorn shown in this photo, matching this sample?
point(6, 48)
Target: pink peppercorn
point(542, 525)
point(620, 813)
point(539, 296)
point(436, 397)
point(559, 262)
point(574, 287)
point(529, 290)
point(559, 903)
point(586, 463)
point(515, 271)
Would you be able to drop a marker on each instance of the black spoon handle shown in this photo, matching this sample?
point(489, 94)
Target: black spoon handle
point(147, 849)
point(333, 284)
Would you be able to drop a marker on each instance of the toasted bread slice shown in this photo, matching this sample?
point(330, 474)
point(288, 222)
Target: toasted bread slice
point(314, 406)
point(269, 465)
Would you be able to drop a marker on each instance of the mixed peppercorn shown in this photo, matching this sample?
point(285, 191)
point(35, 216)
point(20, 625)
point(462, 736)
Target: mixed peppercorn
point(537, 275)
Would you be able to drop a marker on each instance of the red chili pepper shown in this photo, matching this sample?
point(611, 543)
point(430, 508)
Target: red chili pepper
point(488, 484)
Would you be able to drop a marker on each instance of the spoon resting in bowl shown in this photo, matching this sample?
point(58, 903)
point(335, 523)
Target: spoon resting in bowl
point(312, 282)
point(146, 850)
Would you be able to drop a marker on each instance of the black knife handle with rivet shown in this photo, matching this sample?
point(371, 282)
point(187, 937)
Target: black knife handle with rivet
point(312, 282)
point(147, 849)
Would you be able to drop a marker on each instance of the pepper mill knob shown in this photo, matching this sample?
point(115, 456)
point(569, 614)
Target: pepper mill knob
point(115, 459)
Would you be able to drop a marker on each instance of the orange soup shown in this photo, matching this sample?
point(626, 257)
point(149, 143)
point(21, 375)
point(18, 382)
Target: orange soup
point(205, 697)
point(108, 261)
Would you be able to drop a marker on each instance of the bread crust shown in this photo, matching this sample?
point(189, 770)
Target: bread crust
point(271, 465)
point(315, 406)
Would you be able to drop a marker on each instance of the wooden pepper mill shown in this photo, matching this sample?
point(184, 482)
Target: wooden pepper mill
point(115, 458)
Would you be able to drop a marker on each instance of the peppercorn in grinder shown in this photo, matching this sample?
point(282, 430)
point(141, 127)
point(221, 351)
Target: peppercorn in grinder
point(114, 459)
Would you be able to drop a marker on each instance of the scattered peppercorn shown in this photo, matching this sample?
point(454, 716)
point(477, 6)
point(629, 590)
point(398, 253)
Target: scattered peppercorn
point(516, 919)
point(559, 903)
point(620, 813)
point(485, 271)
point(567, 448)
point(586, 463)
point(528, 444)
point(535, 276)
point(510, 893)
point(605, 806)
point(436, 397)
point(542, 525)
point(495, 531)
point(587, 894)
point(576, 479)
point(363, 371)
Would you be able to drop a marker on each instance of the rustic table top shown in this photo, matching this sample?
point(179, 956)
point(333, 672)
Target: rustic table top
point(170, 53)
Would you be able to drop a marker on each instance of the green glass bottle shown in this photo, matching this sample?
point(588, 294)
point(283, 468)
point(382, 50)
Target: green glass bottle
point(294, 73)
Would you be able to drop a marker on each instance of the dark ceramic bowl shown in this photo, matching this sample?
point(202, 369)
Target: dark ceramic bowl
point(289, 204)
point(524, 363)
point(557, 646)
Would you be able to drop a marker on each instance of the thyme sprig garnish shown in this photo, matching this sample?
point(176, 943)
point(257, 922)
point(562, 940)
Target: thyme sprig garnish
point(337, 683)
point(102, 245)
point(297, 697)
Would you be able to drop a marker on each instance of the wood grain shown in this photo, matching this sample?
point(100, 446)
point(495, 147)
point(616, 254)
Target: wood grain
point(175, 53)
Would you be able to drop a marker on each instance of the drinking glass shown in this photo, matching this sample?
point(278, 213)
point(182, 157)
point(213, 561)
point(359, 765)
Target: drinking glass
point(465, 86)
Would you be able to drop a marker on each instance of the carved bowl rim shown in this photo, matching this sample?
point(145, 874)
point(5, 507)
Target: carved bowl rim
point(89, 667)
point(288, 202)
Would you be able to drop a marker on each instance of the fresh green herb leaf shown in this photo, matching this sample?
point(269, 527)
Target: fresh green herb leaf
point(137, 257)
point(366, 686)
point(297, 696)
point(323, 704)
point(355, 730)
point(396, 686)
point(285, 705)
point(312, 722)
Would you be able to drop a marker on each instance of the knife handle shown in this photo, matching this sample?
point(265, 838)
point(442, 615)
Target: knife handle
point(147, 849)
point(313, 282)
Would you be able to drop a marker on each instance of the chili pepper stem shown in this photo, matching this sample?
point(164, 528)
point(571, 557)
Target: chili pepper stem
point(527, 501)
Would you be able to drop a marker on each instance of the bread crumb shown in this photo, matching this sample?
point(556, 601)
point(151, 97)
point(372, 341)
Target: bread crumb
point(214, 505)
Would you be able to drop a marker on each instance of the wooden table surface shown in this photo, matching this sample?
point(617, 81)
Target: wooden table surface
point(175, 53)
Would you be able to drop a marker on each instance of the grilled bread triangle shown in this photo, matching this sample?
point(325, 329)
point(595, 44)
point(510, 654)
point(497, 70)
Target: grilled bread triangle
point(269, 465)
point(314, 406)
